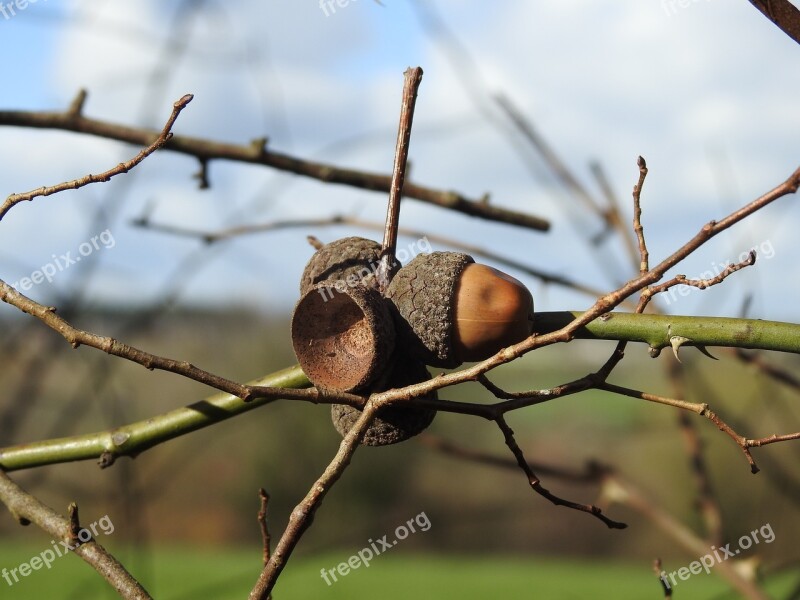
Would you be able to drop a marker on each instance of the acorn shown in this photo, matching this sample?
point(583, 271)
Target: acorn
point(350, 261)
point(342, 338)
point(392, 424)
point(449, 309)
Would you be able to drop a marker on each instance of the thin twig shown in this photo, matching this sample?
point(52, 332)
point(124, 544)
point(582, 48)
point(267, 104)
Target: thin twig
point(783, 13)
point(413, 78)
point(704, 411)
point(28, 509)
point(262, 521)
point(537, 486)
point(163, 138)
point(303, 513)
point(644, 264)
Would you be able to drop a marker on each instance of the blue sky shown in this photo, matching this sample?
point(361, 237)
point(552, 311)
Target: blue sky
point(705, 93)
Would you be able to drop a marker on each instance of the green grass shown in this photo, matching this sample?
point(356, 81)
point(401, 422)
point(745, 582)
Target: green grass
point(190, 574)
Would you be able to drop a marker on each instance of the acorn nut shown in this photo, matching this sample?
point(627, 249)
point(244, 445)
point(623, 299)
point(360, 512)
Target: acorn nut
point(342, 339)
point(449, 309)
point(396, 423)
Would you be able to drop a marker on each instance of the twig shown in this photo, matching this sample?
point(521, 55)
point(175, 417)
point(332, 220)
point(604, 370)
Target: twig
point(262, 521)
point(704, 411)
point(258, 153)
point(783, 13)
point(163, 138)
point(77, 337)
point(644, 264)
point(413, 78)
point(29, 509)
point(665, 586)
point(303, 513)
point(537, 486)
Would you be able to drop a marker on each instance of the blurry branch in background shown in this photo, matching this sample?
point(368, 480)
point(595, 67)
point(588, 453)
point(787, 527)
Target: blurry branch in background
point(211, 237)
point(26, 509)
point(258, 153)
point(613, 488)
point(783, 13)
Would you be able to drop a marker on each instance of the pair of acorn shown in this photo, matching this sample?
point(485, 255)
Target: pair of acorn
point(441, 309)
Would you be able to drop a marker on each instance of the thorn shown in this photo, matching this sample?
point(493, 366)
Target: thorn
point(676, 341)
point(705, 351)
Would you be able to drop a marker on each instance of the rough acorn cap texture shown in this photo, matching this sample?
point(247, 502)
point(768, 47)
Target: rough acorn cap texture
point(392, 424)
point(422, 296)
point(342, 339)
point(355, 258)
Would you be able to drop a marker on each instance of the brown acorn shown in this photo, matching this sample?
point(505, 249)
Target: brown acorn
point(392, 424)
point(342, 338)
point(449, 309)
point(350, 261)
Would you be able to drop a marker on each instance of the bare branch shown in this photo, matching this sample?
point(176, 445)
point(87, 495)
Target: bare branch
point(28, 509)
point(163, 138)
point(258, 153)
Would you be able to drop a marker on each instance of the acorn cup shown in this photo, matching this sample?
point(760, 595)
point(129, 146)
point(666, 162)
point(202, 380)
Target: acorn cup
point(449, 309)
point(342, 338)
point(350, 261)
point(392, 424)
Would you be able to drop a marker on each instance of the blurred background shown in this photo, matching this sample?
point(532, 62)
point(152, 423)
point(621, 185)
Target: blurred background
point(705, 91)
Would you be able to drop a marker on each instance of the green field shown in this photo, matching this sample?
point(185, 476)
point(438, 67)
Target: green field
point(185, 574)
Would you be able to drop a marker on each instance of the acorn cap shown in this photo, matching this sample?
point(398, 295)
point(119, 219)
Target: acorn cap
point(343, 336)
point(351, 260)
point(422, 296)
point(396, 423)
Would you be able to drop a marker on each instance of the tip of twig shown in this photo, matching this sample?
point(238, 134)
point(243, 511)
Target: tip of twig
point(640, 161)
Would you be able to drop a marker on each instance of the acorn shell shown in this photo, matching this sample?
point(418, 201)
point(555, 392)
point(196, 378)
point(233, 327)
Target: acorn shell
point(392, 424)
point(343, 336)
point(422, 295)
point(351, 260)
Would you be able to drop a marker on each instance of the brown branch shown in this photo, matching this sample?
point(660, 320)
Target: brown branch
point(161, 139)
point(28, 509)
point(537, 486)
point(783, 13)
point(703, 283)
point(262, 521)
point(704, 411)
point(257, 153)
point(637, 217)
point(303, 513)
point(77, 337)
point(665, 587)
point(413, 79)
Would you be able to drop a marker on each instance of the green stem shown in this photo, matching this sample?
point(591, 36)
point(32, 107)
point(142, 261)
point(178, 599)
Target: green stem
point(132, 439)
point(654, 330)
point(657, 330)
